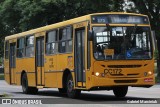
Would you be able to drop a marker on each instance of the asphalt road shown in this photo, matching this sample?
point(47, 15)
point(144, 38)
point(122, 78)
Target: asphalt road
point(92, 97)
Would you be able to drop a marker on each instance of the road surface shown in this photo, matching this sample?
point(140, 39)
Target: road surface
point(92, 97)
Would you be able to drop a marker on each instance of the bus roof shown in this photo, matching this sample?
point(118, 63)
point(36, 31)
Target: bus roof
point(63, 23)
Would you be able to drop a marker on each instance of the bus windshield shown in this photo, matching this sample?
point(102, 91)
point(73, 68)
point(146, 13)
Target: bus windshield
point(131, 42)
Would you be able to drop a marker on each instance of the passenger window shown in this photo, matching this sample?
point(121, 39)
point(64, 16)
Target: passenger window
point(65, 39)
point(20, 48)
point(30, 46)
point(51, 42)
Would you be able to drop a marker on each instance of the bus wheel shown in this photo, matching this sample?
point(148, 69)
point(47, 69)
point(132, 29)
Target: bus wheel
point(71, 92)
point(62, 90)
point(120, 91)
point(26, 89)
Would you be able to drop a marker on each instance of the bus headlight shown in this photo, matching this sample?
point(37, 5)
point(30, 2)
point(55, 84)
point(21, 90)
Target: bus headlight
point(147, 73)
point(97, 74)
point(150, 72)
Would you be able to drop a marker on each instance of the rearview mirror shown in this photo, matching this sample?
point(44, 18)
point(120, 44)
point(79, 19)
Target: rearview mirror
point(154, 40)
point(90, 35)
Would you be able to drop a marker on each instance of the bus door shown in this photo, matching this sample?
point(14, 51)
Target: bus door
point(12, 63)
point(39, 61)
point(79, 55)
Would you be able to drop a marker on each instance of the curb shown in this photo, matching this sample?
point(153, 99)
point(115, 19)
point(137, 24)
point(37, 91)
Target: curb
point(1, 95)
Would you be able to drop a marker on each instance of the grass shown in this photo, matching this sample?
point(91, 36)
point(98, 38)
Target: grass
point(4, 95)
point(1, 76)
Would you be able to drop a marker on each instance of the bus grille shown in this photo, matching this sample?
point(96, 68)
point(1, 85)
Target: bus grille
point(125, 81)
point(133, 74)
point(124, 66)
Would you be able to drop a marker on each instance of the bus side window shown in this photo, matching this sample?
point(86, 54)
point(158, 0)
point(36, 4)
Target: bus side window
point(51, 42)
point(30, 46)
point(62, 37)
point(20, 48)
point(6, 49)
point(69, 42)
point(65, 40)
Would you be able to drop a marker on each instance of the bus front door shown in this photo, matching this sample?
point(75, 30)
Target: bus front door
point(12, 63)
point(39, 61)
point(79, 57)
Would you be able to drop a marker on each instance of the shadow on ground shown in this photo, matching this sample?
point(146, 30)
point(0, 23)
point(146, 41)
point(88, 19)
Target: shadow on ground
point(86, 98)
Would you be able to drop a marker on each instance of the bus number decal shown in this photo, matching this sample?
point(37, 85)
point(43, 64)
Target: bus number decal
point(113, 71)
point(51, 63)
point(69, 61)
point(79, 25)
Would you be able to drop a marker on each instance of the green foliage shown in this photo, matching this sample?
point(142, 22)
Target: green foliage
point(21, 15)
point(152, 9)
point(156, 55)
point(1, 76)
point(157, 79)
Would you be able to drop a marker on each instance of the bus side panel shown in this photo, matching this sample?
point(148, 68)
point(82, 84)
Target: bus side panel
point(51, 71)
point(27, 65)
point(30, 67)
point(51, 79)
point(31, 79)
point(18, 79)
point(65, 61)
point(19, 69)
point(6, 71)
point(59, 79)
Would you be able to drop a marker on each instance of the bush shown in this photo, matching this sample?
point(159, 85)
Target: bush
point(157, 79)
point(1, 76)
point(156, 56)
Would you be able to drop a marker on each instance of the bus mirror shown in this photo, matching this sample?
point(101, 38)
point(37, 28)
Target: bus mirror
point(154, 39)
point(90, 35)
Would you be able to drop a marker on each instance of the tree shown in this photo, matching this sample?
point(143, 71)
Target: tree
point(8, 20)
point(22, 15)
point(152, 9)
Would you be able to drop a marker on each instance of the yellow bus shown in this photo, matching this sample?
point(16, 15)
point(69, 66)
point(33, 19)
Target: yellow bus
point(100, 51)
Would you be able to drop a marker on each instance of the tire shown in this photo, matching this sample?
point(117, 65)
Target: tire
point(25, 88)
point(120, 91)
point(71, 92)
point(62, 90)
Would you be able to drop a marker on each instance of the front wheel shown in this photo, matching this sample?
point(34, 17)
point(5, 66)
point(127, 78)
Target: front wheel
point(120, 91)
point(71, 92)
point(25, 88)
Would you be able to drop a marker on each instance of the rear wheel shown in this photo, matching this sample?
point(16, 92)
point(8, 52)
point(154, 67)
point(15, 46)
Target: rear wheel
point(120, 91)
point(71, 92)
point(25, 88)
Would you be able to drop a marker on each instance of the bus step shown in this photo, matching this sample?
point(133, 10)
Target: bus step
point(39, 87)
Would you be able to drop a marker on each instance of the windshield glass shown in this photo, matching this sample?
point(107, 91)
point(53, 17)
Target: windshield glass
point(122, 43)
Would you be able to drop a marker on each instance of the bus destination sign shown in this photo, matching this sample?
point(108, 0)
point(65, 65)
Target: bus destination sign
point(120, 19)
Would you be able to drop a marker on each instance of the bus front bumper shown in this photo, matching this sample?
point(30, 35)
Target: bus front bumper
point(109, 82)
